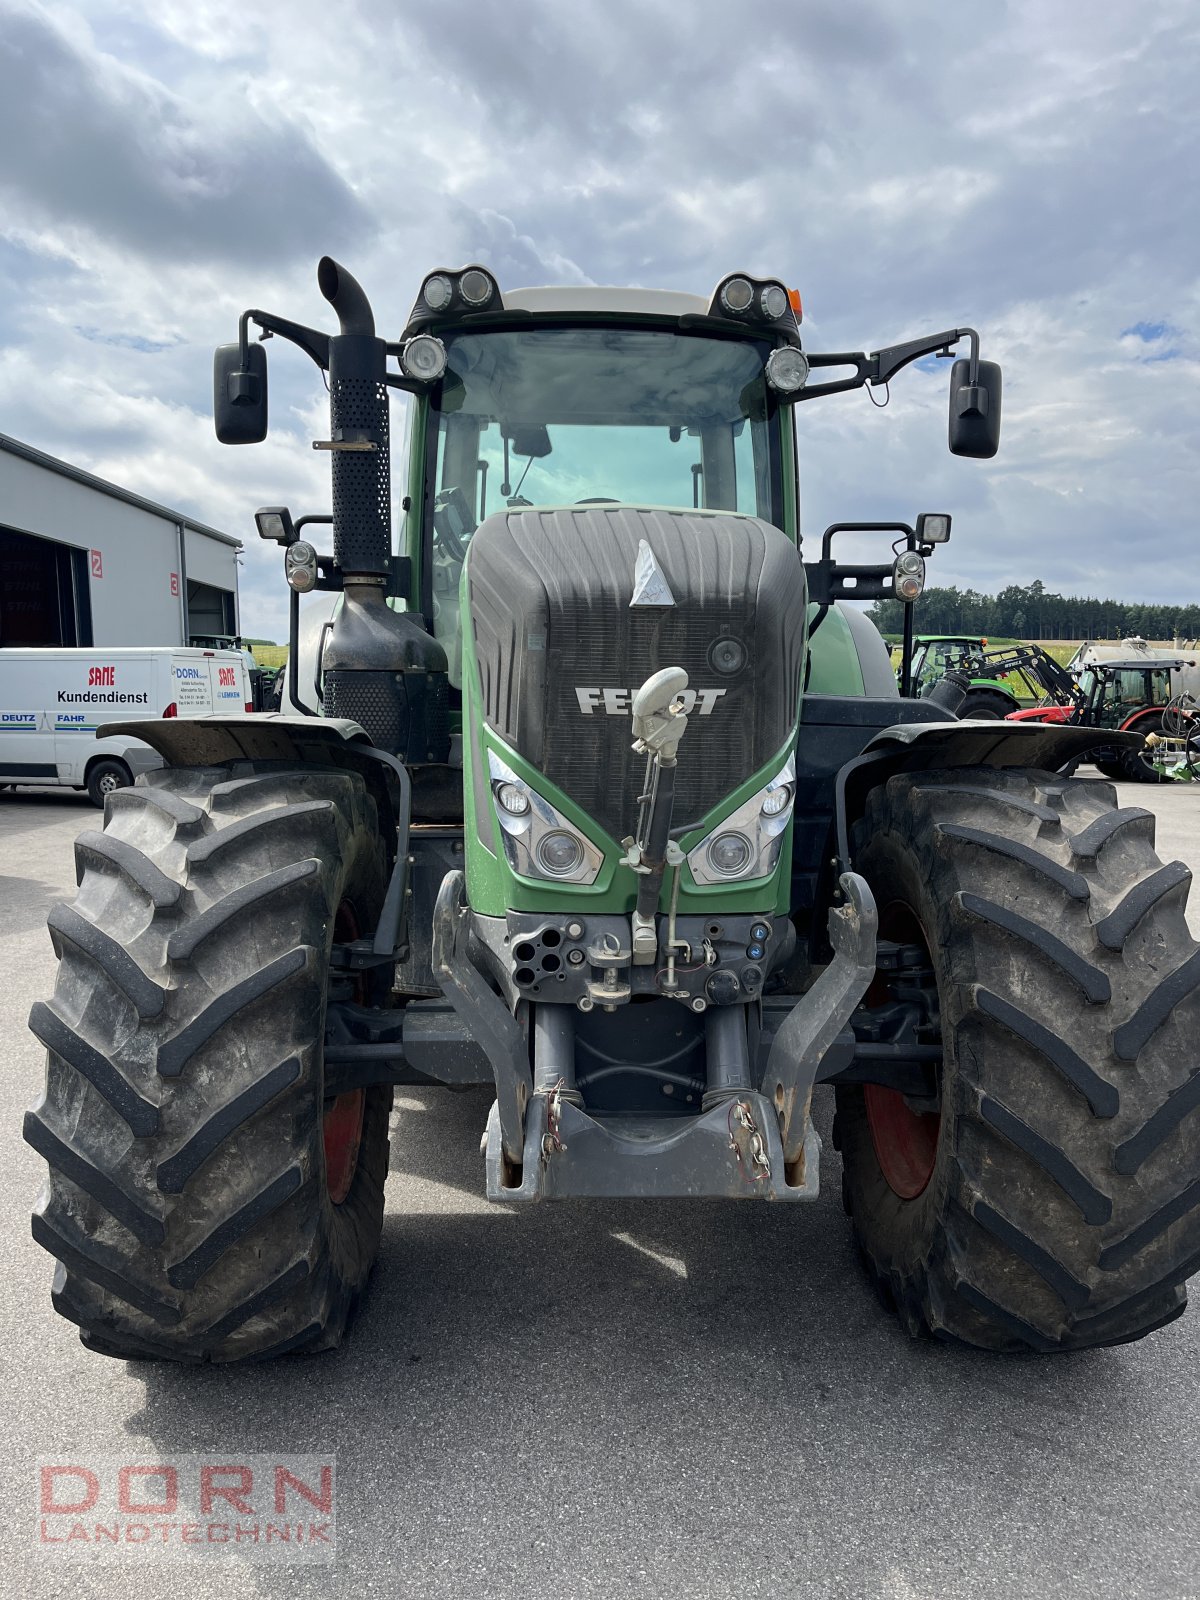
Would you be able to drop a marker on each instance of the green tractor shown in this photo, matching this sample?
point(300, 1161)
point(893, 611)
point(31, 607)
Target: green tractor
point(989, 696)
point(610, 803)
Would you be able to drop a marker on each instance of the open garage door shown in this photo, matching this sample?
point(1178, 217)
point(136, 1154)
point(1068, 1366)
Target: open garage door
point(44, 594)
point(211, 613)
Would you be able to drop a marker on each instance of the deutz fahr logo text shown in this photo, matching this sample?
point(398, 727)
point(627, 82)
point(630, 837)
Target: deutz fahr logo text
point(617, 702)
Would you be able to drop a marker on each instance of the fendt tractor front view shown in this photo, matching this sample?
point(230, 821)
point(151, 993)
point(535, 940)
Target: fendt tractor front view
point(599, 794)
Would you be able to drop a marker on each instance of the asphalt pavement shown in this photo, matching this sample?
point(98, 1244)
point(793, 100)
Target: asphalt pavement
point(603, 1399)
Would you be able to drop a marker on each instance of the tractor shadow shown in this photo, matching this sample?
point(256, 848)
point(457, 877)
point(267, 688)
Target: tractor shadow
point(637, 1380)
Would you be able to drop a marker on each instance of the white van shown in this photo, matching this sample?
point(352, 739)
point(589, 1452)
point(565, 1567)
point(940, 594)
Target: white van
point(54, 705)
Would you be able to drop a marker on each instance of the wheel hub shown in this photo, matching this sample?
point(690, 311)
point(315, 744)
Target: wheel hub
point(905, 1139)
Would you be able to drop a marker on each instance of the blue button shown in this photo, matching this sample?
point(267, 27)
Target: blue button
point(755, 952)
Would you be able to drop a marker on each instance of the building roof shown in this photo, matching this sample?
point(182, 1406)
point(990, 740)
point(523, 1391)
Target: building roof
point(39, 458)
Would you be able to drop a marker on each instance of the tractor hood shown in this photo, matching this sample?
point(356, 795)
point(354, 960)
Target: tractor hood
point(573, 608)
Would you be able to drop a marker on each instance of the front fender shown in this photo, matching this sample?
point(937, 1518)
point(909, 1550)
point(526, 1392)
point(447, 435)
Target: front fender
point(925, 746)
point(296, 741)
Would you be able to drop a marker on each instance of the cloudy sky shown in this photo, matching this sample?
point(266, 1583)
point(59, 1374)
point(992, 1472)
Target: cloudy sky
point(1027, 167)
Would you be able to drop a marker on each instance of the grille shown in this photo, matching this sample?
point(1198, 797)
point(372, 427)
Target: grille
point(550, 593)
point(373, 700)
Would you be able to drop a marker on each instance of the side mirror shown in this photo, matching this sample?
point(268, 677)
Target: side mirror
point(975, 410)
point(532, 441)
point(240, 394)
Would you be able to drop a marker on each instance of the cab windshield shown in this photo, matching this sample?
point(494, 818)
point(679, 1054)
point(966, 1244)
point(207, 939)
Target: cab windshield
point(568, 415)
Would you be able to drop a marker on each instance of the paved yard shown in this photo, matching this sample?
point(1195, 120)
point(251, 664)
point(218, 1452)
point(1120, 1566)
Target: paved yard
point(609, 1400)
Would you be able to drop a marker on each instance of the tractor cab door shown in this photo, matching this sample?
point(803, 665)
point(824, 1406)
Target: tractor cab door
point(1121, 693)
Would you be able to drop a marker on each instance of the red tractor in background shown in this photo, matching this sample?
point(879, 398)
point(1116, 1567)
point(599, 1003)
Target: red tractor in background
point(1128, 696)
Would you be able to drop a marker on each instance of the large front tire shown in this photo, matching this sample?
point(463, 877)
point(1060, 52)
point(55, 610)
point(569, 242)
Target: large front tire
point(1055, 1202)
point(204, 1201)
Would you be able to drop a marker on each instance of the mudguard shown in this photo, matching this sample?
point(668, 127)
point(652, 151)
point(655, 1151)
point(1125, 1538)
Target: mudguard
point(297, 741)
point(923, 746)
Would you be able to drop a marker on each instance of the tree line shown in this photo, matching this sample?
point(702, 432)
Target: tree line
point(1036, 612)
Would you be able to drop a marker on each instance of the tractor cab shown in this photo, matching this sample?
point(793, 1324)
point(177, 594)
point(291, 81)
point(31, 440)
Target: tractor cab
point(1115, 691)
point(628, 398)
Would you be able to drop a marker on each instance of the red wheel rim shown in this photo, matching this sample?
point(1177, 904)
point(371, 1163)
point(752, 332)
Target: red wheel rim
point(905, 1140)
point(343, 1122)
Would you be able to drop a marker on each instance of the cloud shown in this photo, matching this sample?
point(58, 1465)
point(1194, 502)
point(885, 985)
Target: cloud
point(98, 146)
point(164, 166)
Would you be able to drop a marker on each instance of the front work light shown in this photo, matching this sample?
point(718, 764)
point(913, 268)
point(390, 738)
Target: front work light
point(424, 358)
point(275, 522)
point(933, 527)
point(737, 295)
point(787, 369)
point(437, 291)
point(476, 287)
point(774, 301)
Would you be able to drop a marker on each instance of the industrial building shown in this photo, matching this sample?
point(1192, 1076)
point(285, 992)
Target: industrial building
point(84, 562)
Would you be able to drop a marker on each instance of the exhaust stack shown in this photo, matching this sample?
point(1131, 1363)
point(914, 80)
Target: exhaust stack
point(381, 668)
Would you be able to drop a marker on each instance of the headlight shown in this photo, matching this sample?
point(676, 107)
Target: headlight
point(539, 842)
point(511, 797)
point(728, 854)
point(777, 800)
point(746, 844)
point(559, 854)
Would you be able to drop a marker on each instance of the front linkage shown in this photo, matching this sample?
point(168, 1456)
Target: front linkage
point(753, 1139)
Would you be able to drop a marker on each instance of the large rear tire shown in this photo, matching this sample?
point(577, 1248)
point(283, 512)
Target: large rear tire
point(204, 1201)
point(1055, 1202)
point(985, 705)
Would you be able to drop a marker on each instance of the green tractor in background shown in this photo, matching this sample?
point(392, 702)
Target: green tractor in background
point(610, 803)
point(988, 697)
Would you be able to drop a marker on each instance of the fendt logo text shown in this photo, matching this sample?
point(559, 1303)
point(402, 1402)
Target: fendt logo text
point(618, 702)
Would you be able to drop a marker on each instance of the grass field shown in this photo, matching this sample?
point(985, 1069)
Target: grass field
point(270, 655)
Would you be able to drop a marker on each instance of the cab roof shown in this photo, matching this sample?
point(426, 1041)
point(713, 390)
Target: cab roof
point(569, 298)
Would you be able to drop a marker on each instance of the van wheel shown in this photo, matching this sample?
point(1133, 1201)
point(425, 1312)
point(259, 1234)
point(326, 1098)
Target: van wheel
point(105, 778)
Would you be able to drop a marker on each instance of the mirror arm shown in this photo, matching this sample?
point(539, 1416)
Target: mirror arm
point(884, 364)
point(854, 359)
point(312, 342)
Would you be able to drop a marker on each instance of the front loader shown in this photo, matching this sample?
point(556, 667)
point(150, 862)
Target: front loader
point(597, 793)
